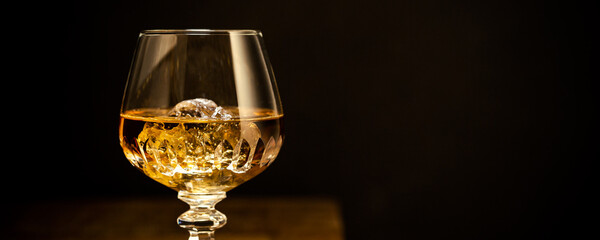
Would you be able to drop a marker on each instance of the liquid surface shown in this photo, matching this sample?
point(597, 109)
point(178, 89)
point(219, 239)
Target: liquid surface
point(200, 155)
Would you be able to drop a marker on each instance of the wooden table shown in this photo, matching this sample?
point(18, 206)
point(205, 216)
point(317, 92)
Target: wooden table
point(155, 218)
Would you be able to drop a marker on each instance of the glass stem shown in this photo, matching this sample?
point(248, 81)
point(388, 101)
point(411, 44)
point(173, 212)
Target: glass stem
point(202, 219)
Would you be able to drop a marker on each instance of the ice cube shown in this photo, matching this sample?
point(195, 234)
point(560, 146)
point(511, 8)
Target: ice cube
point(200, 108)
point(245, 149)
point(271, 151)
point(188, 148)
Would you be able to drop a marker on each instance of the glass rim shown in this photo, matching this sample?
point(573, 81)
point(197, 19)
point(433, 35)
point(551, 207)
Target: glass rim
point(200, 32)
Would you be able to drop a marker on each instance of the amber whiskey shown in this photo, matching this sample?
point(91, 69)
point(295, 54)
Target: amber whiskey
point(200, 155)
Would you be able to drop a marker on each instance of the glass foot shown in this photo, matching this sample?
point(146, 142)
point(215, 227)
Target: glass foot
point(202, 219)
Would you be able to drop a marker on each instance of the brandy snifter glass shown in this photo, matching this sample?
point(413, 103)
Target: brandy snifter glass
point(201, 114)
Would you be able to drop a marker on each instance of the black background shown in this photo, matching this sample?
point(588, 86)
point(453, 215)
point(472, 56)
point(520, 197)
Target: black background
point(424, 119)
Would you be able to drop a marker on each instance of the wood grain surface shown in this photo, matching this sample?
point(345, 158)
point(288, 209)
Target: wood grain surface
point(155, 218)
